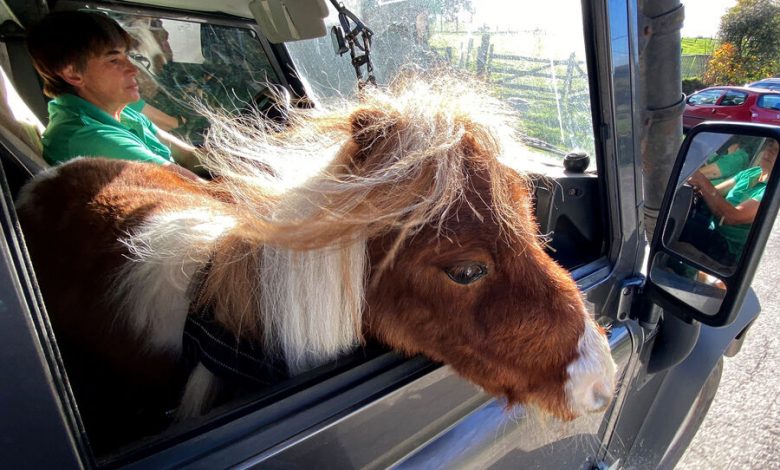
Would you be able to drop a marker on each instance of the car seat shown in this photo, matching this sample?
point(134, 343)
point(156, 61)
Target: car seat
point(20, 136)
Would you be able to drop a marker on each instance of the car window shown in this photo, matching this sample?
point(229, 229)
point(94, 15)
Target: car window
point(766, 85)
point(733, 98)
point(769, 102)
point(182, 63)
point(531, 62)
point(705, 97)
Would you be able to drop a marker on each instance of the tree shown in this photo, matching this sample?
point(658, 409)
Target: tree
point(750, 43)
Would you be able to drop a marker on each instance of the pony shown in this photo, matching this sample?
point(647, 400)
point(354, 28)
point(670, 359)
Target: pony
point(391, 218)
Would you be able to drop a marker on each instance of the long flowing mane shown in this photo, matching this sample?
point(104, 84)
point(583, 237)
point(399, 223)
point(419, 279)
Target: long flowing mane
point(307, 197)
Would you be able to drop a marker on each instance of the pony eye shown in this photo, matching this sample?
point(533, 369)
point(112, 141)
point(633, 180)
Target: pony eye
point(466, 273)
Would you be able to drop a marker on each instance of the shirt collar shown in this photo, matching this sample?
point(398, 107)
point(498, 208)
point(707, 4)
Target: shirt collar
point(78, 104)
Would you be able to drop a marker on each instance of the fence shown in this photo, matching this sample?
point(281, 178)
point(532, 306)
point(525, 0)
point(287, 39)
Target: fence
point(551, 95)
point(694, 66)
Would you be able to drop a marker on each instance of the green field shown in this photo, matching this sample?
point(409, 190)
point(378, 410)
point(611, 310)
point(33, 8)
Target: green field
point(698, 46)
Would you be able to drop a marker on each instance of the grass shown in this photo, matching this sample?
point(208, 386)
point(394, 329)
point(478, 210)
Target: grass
point(699, 46)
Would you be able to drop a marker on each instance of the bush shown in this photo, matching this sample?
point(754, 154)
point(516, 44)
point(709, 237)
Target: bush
point(690, 85)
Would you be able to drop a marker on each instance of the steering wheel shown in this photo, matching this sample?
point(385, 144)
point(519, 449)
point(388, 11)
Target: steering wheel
point(273, 102)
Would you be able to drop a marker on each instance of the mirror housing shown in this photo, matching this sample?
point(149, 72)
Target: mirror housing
point(714, 303)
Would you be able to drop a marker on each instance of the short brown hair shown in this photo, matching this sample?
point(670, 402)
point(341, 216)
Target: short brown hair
point(71, 38)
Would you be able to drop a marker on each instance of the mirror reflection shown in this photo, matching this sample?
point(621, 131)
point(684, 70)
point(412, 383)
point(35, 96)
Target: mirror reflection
point(717, 199)
point(722, 195)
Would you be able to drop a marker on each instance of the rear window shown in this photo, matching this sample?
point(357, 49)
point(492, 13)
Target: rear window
point(766, 85)
point(705, 97)
point(769, 102)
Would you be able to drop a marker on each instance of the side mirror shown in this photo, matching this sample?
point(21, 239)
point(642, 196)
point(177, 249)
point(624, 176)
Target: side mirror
point(715, 220)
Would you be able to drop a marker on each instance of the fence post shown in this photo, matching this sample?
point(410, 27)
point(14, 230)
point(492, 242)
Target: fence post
point(489, 64)
point(482, 54)
point(468, 52)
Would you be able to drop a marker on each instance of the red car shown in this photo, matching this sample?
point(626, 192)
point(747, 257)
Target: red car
point(731, 103)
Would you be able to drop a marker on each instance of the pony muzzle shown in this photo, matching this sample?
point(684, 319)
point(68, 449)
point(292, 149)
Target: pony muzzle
point(591, 383)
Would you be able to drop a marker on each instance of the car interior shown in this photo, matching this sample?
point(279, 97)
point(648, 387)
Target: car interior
point(230, 70)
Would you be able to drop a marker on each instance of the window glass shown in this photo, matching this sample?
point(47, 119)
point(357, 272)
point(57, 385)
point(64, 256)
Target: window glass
point(769, 102)
point(532, 58)
point(733, 98)
point(705, 97)
point(182, 62)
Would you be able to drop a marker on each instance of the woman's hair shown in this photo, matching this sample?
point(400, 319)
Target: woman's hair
point(71, 38)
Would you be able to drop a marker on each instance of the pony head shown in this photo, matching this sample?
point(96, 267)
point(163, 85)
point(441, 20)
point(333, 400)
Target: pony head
point(431, 245)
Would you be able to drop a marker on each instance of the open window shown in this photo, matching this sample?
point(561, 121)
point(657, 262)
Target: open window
point(539, 74)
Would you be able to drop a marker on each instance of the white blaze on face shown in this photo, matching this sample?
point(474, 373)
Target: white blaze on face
point(591, 383)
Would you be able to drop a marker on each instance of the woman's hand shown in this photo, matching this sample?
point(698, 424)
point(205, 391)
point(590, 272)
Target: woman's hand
point(699, 181)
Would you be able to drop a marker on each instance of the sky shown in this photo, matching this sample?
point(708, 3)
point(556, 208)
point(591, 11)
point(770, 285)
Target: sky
point(702, 17)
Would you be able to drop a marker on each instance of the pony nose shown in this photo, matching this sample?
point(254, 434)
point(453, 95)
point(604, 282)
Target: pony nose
point(591, 382)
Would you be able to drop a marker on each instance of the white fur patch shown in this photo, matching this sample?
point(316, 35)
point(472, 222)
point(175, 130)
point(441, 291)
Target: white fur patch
point(591, 383)
point(152, 286)
point(198, 393)
point(311, 303)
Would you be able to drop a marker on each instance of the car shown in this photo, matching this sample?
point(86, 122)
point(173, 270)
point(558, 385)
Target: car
point(727, 103)
point(767, 84)
point(574, 89)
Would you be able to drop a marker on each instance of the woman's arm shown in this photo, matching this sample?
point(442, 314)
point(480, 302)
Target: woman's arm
point(185, 154)
point(160, 118)
point(723, 210)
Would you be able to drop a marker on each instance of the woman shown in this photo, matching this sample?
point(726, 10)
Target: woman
point(721, 167)
point(734, 204)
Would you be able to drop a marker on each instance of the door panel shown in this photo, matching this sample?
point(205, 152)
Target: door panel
point(443, 421)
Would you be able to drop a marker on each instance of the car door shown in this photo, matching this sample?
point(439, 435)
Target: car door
point(766, 109)
point(701, 107)
point(734, 105)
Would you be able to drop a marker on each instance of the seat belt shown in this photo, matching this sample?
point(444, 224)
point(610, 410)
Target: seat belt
point(23, 74)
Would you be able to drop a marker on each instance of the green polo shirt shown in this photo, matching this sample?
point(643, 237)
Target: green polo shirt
point(729, 164)
point(79, 128)
point(746, 187)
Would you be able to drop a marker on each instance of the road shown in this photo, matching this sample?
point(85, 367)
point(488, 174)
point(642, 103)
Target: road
point(742, 428)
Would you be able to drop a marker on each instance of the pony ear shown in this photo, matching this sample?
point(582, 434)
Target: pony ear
point(370, 125)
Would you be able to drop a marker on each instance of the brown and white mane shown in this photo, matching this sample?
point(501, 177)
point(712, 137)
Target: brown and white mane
point(347, 223)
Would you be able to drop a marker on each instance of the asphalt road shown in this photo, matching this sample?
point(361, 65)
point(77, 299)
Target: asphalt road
point(742, 428)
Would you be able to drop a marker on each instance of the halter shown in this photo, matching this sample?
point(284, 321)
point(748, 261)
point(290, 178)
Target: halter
point(237, 361)
point(352, 42)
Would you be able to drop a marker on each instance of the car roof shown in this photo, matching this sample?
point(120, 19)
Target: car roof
point(739, 88)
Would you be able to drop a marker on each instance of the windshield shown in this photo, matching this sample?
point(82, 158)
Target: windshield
point(531, 56)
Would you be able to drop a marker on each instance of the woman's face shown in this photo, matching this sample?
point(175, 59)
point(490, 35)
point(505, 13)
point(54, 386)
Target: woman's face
point(769, 155)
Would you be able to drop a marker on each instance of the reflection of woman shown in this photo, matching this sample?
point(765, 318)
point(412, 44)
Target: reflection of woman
point(733, 204)
point(152, 45)
point(721, 167)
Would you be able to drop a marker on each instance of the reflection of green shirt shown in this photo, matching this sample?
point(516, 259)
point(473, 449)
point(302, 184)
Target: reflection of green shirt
point(79, 128)
point(729, 164)
point(746, 187)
